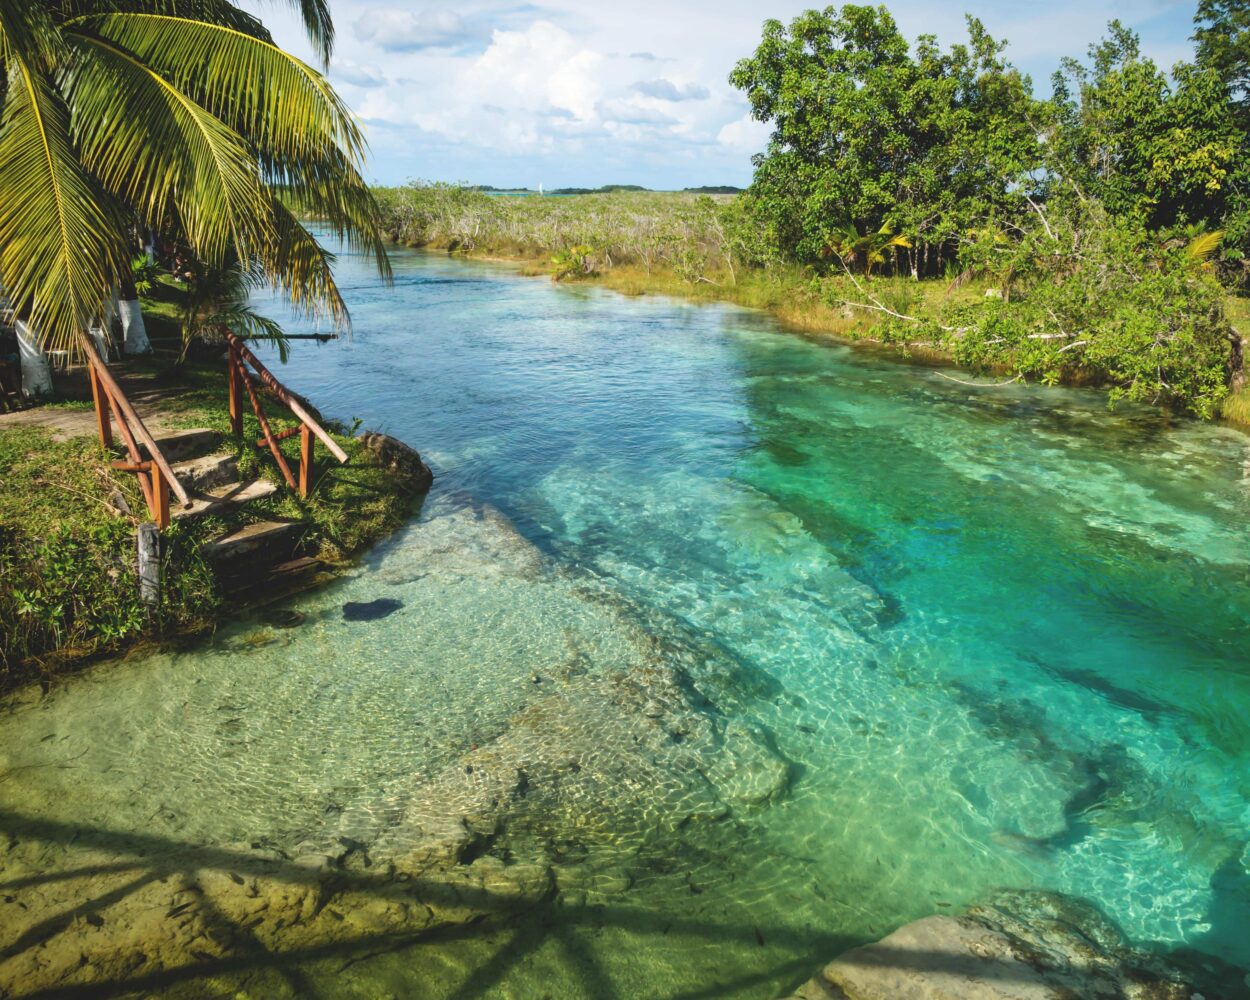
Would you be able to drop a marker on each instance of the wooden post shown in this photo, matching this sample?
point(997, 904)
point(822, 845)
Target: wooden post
point(305, 459)
point(160, 498)
point(236, 393)
point(103, 408)
point(149, 564)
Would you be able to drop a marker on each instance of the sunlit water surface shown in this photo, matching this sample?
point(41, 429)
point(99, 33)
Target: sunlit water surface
point(1001, 633)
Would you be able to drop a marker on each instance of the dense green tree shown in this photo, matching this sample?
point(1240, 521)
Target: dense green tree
point(172, 115)
point(1222, 33)
point(1162, 152)
point(867, 133)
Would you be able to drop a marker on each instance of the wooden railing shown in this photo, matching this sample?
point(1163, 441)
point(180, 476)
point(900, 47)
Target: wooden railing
point(156, 478)
point(254, 382)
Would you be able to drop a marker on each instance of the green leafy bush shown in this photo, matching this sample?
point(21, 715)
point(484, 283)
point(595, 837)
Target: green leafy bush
point(1090, 298)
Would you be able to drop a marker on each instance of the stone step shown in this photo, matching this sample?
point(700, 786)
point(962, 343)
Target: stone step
point(222, 498)
point(180, 445)
point(281, 581)
point(198, 474)
point(263, 536)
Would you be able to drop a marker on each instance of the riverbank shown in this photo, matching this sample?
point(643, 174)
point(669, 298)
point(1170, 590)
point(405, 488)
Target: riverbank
point(69, 588)
point(708, 249)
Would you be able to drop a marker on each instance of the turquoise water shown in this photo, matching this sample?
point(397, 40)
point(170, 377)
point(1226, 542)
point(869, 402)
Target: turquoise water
point(999, 633)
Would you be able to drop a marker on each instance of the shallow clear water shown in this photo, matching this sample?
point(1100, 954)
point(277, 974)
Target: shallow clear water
point(1000, 633)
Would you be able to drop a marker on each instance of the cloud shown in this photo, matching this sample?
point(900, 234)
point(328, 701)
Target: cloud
point(347, 71)
point(629, 113)
point(666, 90)
point(537, 69)
point(396, 30)
point(744, 135)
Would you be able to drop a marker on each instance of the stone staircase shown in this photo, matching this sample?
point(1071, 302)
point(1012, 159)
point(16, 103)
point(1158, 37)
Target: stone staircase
point(256, 558)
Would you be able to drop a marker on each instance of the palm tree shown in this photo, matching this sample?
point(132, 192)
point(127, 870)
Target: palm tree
point(217, 300)
point(865, 250)
point(120, 117)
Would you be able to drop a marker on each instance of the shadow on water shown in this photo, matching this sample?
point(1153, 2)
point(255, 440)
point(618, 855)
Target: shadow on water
point(532, 926)
point(1227, 922)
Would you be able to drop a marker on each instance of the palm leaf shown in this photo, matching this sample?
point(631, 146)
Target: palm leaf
point(303, 269)
point(272, 99)
point(158, 150)
point(319, 25)
point(1202, 248)
point(61, 249)
point(329, 188)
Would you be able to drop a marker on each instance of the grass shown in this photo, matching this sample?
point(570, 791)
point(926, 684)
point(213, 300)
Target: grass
point(68, 579)
point(1236, 408)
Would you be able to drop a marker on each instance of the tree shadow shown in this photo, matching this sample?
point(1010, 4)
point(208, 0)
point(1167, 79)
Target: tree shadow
point(534, 924)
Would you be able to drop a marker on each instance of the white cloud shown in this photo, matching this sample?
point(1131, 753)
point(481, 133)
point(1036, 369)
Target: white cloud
point(396, 30)
point(744, 135)
point(542, 65)
point(632, 113)
point(346, 71)
point(666, 90)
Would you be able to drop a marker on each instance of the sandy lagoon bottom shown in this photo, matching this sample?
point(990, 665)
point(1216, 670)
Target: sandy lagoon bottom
point(513, 784)
point(284, 812)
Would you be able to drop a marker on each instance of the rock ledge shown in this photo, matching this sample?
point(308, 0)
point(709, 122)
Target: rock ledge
point(1023, 945)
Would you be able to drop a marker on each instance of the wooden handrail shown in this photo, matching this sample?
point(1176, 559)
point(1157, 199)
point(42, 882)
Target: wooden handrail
point(287, 397)
point(269, 438)
point(129, 417)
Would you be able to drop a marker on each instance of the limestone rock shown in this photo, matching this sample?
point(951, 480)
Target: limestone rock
point(1021, 946)
point(747, 770)
point(393, 454)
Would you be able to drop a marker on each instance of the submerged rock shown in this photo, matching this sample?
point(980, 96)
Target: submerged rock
point(1023, 945)
point(285, 618)
point(368, 611)
point(561, 790)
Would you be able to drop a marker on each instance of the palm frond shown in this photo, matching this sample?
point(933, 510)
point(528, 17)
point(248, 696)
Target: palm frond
point(61, 249)
point(1202, 248)
point(28, 33)
point(272, 99)
point(157, 150)
point(303, 269)
point(319, 25)
point(328, 187)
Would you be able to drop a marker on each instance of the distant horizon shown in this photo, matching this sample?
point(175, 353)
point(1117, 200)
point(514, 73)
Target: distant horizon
point(566, 188)
point(571, 96)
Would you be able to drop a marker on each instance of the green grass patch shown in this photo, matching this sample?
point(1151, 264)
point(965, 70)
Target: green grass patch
point(1236, 408)
point(69, 587)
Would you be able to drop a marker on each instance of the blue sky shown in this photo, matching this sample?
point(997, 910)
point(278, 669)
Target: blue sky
point(562, 92)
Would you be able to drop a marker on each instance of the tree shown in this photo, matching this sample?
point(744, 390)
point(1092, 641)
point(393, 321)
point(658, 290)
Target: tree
point(1222, 33)
point(1165, 153)
point(176, 116)
point(865, 132)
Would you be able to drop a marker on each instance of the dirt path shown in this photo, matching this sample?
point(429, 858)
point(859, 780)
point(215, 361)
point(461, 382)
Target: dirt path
point(78, 420)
